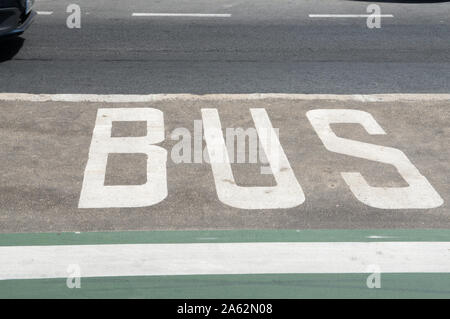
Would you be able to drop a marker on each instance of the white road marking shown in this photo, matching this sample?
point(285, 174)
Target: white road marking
point(419, 194)
point(131, 98)
point(380, 237)
point(33, 262)
point(94, 193)
point(45, 13)
point(286, 194)
point(196, 15)
point(351, 15)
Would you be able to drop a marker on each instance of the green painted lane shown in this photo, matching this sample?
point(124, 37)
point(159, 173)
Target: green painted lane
point(224, 236)
point(393, 285)
point(288, 286)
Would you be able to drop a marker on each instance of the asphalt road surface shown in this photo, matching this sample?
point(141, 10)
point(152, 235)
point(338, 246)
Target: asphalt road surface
point(100, 147)
point(263, 46)
point(46, 147)
point(226, 47)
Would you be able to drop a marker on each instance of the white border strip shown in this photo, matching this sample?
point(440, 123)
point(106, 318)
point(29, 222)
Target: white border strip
point(32, 262)
point(117, 98)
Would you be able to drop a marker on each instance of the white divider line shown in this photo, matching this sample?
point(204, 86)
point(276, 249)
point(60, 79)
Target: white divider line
point(28, 262)
point(45, 13)
point(351, 15)
point(118, 98)
point(196, 15)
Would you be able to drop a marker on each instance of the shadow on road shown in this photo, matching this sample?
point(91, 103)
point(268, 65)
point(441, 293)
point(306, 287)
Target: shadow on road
point(9, 48)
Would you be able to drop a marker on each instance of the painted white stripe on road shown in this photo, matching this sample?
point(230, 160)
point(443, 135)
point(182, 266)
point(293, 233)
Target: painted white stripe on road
point(351, 15)
point(380, 237)
point(130, 98)
point(27, 262)
point(196, 15)
point(45, 13)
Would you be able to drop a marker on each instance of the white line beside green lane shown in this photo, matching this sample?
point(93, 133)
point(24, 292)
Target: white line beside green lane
point(426, 249)
point(37, 262)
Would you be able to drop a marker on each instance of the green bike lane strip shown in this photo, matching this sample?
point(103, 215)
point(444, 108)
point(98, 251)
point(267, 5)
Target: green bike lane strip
point(278, 285)
point(224, 236)
point(411, 285)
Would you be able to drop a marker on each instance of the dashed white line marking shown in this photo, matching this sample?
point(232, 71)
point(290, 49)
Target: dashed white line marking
point(45, 13)
point(379, 237)
point(351, 15)
point(27, 262)
point(197, 15)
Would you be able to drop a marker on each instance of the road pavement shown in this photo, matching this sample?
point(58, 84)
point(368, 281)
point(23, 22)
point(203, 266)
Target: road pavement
point(113, 172)
point(263, 47)
point(47, 146)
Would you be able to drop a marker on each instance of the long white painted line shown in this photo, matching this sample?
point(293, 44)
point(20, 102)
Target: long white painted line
point(197, 15)
point(351, 15)
point(118, 98)
point(27, 262)
point(45, 13)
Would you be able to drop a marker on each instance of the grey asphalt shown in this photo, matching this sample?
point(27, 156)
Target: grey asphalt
point(45, 150)
point(266, 46)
